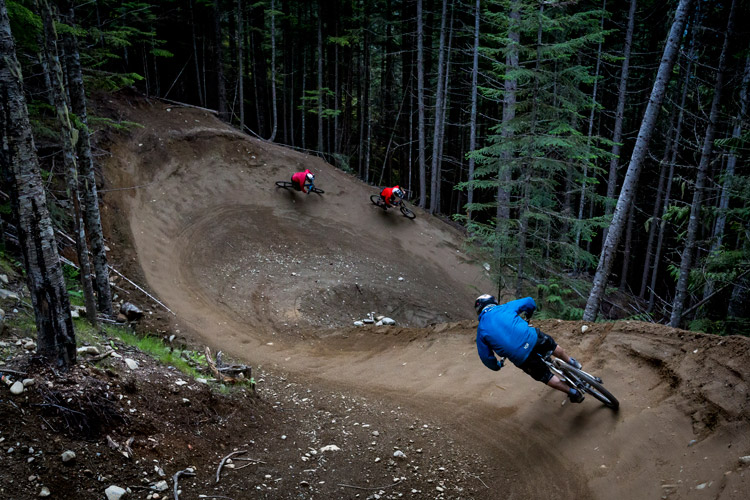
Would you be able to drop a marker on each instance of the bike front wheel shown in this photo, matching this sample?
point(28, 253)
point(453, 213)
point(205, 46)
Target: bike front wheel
point(316, 190)
point(591, 385)
point(407, 213)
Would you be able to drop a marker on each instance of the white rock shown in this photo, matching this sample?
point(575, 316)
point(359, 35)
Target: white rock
point(388, 321)
point(161, 486)
point(359, 323)
point(368, 321)
point(132, 364)
point(330, 447)
point(74, 314)
point(701, 486)
point(45, 492)
point(379, 323)
point(7, 294)
point(4, 278)
point(584, 328)
point(30, 345)
point(68, 455)
point(401, 278)
point(399, 454)
point(115, 493)
point(179, 381)
point(28, 381)
point(745, 459)
point(16, 388)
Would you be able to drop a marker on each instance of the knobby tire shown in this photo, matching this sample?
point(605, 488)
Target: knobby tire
point(592, 386)
point(407, 213)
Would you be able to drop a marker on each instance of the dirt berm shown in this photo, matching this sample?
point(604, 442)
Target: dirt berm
point(277, 277)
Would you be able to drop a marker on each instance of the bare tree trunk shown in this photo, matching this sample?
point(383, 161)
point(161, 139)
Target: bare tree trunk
point(619, 116)
point(69, 158)
point(582, 199)
point(273, 73)
point(473, 119)
point(630, 182)
point(88, 184)
point(626, 251)
point(670, 175)
point(320, 78)
point(201, 95)
point(420, 108)
point(240, 68)
point(221, 89)
point(44, 277)
point(509, 111)
point(708, 141)
point(434, 172)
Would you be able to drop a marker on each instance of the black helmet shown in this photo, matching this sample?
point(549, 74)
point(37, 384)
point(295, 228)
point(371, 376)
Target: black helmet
point(484, 301)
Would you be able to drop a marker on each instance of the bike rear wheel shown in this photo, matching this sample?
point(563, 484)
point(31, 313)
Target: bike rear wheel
point(376, 200)
point(407, 213)
point(284, 184)
point(591, 385)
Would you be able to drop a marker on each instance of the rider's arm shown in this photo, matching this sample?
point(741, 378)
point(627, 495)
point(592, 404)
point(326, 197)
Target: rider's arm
point(487, 356)
point(525, 305)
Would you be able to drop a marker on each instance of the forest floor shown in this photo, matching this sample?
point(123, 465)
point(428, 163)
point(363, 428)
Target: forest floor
point(275, 279)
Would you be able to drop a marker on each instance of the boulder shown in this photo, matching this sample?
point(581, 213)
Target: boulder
point(388, 321)
point(131, 311)
point(68, 456)
point(16, 388)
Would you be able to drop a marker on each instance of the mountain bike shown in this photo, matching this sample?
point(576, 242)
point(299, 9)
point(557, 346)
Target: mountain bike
point(289, 185)
point(377, 200)
point(581, 380)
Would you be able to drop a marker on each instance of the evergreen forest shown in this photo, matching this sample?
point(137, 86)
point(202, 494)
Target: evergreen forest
point(593, 151)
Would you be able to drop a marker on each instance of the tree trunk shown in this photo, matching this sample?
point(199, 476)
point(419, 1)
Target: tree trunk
point(582, 199)
point(619, 116)
point(509, 111)
point(434, 172)
point(88, 184)
point(670, 174)
point(201, 95)
point(274, 111)
point(473, 119)
point(221, 89)
point(420, 108)
point(721, 219)
point(320, 77)
point(626, 251)
point(240, 64)
point(708, 141)
point(67, 138)
point(44, 277)
point(630, 182)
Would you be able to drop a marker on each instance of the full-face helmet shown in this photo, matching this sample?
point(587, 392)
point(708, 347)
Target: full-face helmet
point(310, 177)
point(484, 301)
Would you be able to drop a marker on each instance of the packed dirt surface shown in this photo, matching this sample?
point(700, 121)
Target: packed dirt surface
point(277, 278)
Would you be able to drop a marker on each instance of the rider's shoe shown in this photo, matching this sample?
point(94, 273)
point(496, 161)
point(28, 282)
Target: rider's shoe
point(574, 363)
point(575, 396)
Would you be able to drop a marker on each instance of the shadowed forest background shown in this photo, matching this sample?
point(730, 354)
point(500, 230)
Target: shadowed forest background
point(519, 120)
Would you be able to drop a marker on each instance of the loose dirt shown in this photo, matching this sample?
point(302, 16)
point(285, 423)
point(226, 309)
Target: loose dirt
point(276, 278)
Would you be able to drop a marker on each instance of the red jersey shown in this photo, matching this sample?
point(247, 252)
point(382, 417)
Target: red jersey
point(300, 178)
point(388, 196)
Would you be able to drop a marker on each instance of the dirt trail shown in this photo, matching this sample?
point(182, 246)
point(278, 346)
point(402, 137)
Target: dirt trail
point(277, 278)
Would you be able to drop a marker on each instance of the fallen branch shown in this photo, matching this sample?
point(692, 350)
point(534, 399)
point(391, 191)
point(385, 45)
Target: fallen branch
point(176, 477)
point(101, 356)
point(213, 496)
point(480, 480)
point(185, 105)
point(14, 372)
point(223, 460)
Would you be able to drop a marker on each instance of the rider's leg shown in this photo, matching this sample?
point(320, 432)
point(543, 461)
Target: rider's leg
point(560, 353)
point(558, 384)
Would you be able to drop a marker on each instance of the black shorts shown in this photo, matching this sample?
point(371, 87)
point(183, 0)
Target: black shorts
point(534, 365)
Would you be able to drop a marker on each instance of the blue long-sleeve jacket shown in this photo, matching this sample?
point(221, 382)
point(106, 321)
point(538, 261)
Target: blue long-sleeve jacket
point(503, 331)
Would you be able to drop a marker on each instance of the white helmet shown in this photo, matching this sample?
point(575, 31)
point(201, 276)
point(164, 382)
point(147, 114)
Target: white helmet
point(398, 192)
point(310, 177)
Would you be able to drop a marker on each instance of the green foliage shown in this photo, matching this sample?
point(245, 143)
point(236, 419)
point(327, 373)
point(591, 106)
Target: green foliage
point(555, 300)
point(25, 26)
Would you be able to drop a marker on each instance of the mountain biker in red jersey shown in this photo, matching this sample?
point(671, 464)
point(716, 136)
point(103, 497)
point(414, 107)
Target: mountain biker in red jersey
point(303, 181)
point(391, 196)
point(501, 330)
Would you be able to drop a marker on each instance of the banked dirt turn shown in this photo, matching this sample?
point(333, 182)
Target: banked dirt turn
point(277, 278)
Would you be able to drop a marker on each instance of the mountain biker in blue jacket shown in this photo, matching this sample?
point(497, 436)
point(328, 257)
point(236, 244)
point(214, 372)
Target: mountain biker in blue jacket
point(502, 331)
